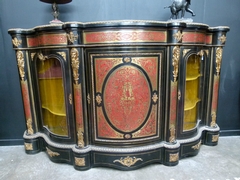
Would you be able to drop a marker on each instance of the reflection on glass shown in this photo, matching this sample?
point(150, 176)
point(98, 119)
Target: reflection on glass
point(192, 100)
point(51, 89)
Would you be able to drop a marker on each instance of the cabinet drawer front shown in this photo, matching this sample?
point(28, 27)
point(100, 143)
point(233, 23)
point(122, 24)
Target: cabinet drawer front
point(126, 161)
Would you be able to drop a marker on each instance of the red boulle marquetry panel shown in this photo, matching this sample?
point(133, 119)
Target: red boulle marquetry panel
point(173, 101)
point(78, 105)
point(193, 37)
point(215, 93)
point(27, 107)
point(209, 39)
point(124, 36)
point(47, 39)
point(32, 42)
point(26, 101)
point(126, 97)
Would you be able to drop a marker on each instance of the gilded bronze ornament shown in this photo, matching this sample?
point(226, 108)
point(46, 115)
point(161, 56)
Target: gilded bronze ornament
point(197, 146)
point(214, 119)
point(28, 146)
point(179, 95)
point(200, 53)
point(63, 54)
point(155, 97)
point(127, 59)
point(29, 126)
point(72, 37)
point(32, 56)
point(215, 138)
point(99, 99)
point(222, 39)
point(20, 60)
point(218, 60)
point(42, 57)
point(128, 161)
point(75, 64)
point(80, 135)
point(185, 51)
point(173, 157)
point(51, 153)
point(16, 42)
point(88, 99)
point(172, 137)
point(70, 99)
point(178, 36)
point(80, 161)
point(175, 61)
point(207, 52)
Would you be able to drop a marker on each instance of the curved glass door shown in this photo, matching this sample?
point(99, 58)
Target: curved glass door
point(51, 89)
point(192, 98)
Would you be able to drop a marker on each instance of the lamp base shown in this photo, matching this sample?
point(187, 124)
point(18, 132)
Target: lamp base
point(56, 21)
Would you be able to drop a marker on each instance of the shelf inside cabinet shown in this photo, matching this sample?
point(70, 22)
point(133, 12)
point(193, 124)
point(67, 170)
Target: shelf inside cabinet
point(193, 77)
point(190, 104)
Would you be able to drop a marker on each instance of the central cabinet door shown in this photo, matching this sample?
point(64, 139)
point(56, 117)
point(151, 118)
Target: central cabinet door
point(127, 95)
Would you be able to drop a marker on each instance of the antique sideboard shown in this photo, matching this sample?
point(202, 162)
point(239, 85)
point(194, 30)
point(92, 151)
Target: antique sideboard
point(122, 94)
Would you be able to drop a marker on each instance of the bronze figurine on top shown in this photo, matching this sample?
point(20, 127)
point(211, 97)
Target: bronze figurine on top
point(180, 5)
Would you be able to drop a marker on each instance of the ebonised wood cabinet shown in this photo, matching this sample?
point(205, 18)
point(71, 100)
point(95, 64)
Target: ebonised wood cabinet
point(121, 94)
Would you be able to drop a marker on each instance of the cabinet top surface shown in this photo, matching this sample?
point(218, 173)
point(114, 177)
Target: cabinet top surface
point(120, 23)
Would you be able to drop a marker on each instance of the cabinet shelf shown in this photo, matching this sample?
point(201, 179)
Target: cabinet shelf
point(190, 104)
point(189, 125)
point(57, 113)
point(192, 77)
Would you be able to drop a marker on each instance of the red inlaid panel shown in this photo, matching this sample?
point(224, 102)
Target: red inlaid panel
point(215, 93)
point(124, 36)
point(32, 42)
point(102, 67)
point(52, 39)
point(26, 101)
point(150, 65)
point(78, 105)
point(193, 37)
point(127, 98)
point(150, 128)
point(173, 106)
point(126, 109)
point(209, 39)
point(104, 129)
point(47, 39)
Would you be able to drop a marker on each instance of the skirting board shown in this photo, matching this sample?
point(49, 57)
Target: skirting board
point(230, 132)
point(11, 142)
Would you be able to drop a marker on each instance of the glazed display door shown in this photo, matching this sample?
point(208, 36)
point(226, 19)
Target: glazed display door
point(192, 91)
point(52, 91)
point(127, 92)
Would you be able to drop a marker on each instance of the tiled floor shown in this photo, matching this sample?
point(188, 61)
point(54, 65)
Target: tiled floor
point(221, 162)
